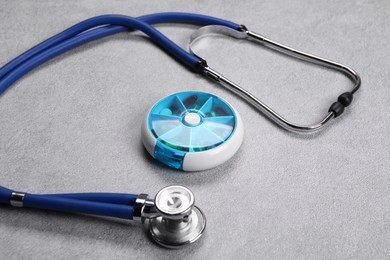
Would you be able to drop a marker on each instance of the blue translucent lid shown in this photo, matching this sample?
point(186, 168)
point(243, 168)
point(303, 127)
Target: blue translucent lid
point(192, 121)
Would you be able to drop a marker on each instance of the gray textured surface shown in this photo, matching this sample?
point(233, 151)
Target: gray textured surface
point(73, 125)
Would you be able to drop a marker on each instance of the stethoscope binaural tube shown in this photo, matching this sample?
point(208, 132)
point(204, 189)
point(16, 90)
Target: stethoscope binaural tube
point(76, 36)
point(336, 108)
point(171, 217)
point(84, 32)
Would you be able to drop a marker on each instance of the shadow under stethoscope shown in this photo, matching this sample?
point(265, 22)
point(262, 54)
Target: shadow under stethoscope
point(69, 224)
point(120, 232)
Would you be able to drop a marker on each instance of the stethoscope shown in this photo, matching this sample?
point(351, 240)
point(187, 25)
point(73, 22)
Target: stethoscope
point(171, 217)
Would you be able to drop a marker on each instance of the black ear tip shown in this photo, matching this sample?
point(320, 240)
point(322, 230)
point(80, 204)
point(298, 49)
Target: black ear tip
point(345, 99)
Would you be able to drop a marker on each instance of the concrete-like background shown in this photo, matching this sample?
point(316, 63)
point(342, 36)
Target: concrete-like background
point(73, 125)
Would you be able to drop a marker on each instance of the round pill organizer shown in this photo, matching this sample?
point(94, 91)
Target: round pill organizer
point(192, 131)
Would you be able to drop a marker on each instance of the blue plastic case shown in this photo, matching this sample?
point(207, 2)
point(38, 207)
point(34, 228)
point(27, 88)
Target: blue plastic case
point(189, 123)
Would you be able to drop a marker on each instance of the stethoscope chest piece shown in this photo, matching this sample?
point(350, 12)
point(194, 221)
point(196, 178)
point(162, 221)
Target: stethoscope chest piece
point(179, 221)
point(192, 131)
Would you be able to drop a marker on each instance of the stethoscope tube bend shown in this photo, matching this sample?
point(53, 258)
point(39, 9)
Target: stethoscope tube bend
point(92, 29)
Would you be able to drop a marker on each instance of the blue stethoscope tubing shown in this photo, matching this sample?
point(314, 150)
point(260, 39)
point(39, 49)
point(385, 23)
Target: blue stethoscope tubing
point(83, 32)
point(119, 205)
point(103, 204)
point(105, 25)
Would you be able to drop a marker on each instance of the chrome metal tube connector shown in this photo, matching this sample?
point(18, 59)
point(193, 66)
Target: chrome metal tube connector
point(17, 198)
